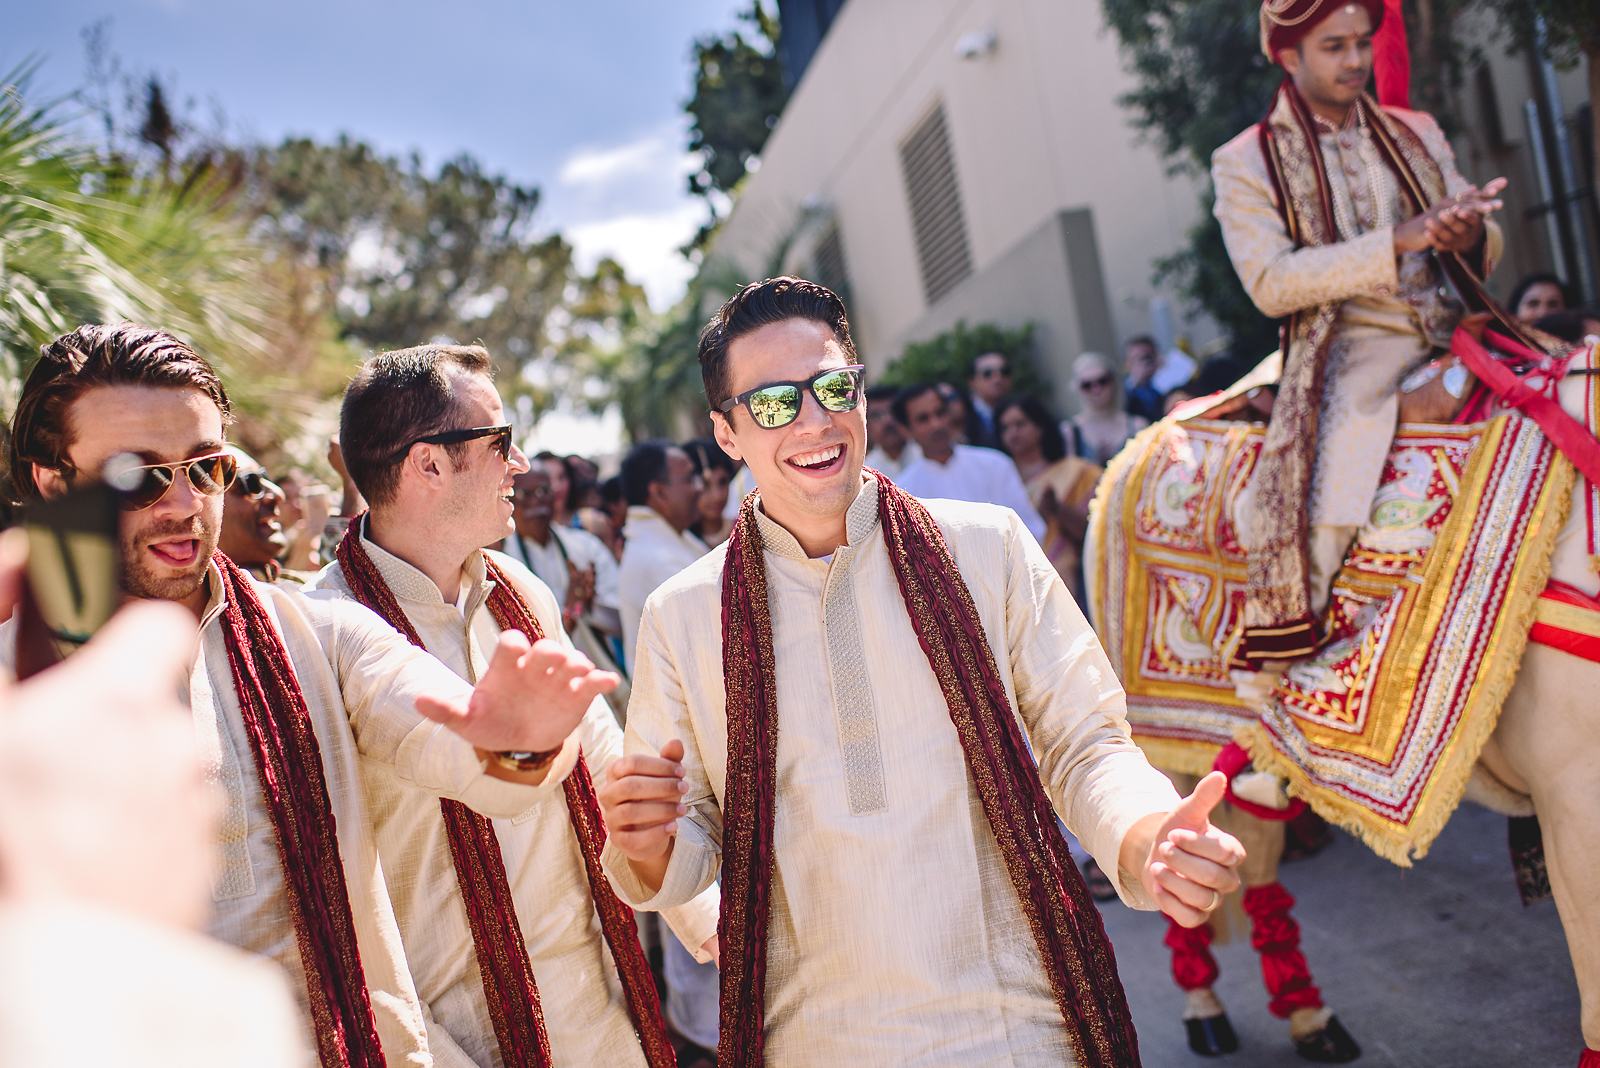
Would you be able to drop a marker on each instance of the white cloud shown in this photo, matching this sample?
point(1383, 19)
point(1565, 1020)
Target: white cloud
point(649, 156)
point(630, 201)
point(646, 244)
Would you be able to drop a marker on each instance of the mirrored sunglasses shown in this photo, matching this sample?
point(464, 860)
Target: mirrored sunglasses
point(777, 404)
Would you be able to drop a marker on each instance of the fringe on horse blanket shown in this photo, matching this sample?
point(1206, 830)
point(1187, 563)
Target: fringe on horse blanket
point(1374, 730)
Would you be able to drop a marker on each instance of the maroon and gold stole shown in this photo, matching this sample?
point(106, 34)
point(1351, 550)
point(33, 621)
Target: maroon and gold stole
point(1279, 623)
point(289, 763)
point(508, 983)
point(1066, 926)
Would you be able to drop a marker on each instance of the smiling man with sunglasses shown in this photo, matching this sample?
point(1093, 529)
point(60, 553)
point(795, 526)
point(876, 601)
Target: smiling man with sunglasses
point(516, 941)
point(838, 711)
point(296, 702)
point(252, 530)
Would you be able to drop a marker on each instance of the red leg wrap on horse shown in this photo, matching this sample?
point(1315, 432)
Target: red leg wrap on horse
point(1193, 966)
point(1589, 1058)
point(1277, 938)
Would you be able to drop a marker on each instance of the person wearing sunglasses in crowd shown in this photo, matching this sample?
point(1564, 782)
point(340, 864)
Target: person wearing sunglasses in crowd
point(1101, 426)
point(852, 750)
point(252, 527)
point(987, 385)
point(299, 705)
point(514, 942)
point(949, 470)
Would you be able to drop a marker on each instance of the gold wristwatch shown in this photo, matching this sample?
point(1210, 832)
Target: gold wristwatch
point(524, 760)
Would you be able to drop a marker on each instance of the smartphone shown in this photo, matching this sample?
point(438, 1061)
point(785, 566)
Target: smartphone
point(73, 581)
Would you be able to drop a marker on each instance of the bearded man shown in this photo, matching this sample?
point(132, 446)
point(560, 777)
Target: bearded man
point(521, 952)
point(1346, 220)
point(298, 705)
point(853, 749)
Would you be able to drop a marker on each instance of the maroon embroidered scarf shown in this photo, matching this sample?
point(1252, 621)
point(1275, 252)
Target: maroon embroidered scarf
point(1279, 623)
point(289, 764)
point(1066, 926)
point(508, 983)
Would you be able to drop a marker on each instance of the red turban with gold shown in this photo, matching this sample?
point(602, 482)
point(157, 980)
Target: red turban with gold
point(1285, 23)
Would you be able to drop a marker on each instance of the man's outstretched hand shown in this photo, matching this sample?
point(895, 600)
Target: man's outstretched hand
point(529, 700)
point(642, 799)
point(1188, 865)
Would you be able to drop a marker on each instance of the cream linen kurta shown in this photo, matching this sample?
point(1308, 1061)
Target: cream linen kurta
point(1394, 310)
point(895, 935)
point(585, 1013)
point(361, 681)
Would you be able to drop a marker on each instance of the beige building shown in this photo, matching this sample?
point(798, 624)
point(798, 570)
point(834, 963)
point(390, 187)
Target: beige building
point(966, 159)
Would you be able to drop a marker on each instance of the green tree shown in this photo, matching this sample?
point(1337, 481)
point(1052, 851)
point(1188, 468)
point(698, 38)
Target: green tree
point(1200, 79)
point(81, 240)
point(948, 357)
point(739, 93)
point(1570, 30)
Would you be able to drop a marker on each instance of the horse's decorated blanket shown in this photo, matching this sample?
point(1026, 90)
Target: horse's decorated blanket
point(1380, 728)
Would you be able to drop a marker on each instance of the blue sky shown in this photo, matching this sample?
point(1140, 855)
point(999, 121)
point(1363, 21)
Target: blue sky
point(583, 99)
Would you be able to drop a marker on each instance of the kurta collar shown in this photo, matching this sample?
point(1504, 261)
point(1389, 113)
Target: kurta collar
point(215, 601)
point(410, 584)
point(859, 523)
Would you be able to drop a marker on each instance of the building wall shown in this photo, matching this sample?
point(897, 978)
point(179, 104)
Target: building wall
point(1035, 132)
point(1047, 165)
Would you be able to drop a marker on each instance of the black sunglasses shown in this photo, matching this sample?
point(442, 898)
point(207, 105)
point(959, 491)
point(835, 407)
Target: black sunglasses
point(252, 484)
point(1094, 383)
point(501, 434)
point(777, 404)
point(142, 486)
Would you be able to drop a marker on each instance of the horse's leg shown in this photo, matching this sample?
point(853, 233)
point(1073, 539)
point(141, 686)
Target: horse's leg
point(1276, 938)
point(1548, 744)
point(1194, 969)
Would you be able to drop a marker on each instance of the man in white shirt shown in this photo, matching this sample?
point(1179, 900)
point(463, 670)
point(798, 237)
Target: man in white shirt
point(300, 706)
point(847, 697)
point(580, 570)
point(892, 450)
point(663, 491)
point(953, 472)
point(417, 559)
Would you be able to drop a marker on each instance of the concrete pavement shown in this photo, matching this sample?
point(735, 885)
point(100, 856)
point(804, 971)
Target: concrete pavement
point(1436, 967)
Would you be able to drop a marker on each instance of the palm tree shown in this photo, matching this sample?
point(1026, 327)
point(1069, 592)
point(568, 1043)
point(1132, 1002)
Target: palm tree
point(82, 240)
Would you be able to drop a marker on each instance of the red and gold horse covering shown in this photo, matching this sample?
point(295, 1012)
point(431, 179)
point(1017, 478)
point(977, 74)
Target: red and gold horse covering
point(1380, 728)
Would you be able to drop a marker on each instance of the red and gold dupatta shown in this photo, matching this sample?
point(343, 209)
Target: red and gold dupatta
point(1066, 927)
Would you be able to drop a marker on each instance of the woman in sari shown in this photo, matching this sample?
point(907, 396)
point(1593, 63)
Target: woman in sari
point(1058, 485)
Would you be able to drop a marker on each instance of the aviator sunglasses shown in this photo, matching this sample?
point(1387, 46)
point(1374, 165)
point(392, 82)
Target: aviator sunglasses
point(141, 486)
point(777, 404)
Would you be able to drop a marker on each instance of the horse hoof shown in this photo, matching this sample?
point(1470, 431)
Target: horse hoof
point(1211, 1036)
point(1331, 1045)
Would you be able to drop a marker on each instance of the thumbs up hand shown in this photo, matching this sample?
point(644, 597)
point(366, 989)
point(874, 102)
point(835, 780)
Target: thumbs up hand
point(1190, 864)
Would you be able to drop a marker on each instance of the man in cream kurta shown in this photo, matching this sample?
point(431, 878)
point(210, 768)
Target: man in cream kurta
point(360, 680)
point(1395, 308)
point(580, 993)
point(896, 934)
point(653, 552)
